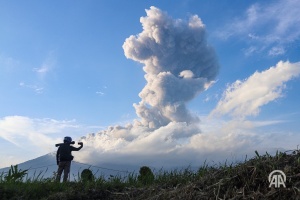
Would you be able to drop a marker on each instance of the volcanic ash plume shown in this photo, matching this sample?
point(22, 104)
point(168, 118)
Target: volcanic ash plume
point(178, 62)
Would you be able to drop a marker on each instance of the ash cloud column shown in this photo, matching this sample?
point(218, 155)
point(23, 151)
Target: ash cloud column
point(178, 62)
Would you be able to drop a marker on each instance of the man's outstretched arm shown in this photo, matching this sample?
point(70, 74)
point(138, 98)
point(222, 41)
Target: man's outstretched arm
point(77, 148)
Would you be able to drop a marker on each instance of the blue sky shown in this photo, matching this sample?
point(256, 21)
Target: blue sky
point(65, 71)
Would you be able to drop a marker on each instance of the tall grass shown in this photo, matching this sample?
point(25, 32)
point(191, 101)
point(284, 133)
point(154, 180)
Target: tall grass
point(243, 180)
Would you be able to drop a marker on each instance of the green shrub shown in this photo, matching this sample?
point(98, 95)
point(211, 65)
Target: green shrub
point(87, 175)
point(146, 175)
point(15, 175)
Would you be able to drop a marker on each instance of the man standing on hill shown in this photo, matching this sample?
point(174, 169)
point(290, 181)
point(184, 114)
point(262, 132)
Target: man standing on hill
point(64, 157)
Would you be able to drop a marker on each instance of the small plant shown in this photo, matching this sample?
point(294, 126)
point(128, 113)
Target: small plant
point(87, 175)
point(203, 170)
point(257, 154)
point(146, 175)
point(14, 174)
point(2, 177)
point(50, 179)
point(132, 179)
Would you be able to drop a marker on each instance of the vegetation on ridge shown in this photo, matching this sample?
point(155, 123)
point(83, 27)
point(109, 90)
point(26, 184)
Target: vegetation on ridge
point(247, 180)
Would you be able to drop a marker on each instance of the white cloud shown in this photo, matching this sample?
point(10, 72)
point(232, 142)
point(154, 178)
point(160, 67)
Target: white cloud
point(36, 136)
point(47, 65)
point(179, 145)
point(251, 50)
point(16, 129)
point(276, 51)
point(269, 26)
point(36, 88)
point(101, 91)
point(245, 98)
point(186, 74)
point(174, 145)
point(41, 73)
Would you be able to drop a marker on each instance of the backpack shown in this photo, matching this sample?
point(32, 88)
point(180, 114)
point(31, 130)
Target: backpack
point(65, 153)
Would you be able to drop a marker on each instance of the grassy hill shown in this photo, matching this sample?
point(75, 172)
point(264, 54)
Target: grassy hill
point(246, 180)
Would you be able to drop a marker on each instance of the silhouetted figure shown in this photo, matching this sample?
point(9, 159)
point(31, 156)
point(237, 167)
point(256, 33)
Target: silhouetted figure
point(64, 157)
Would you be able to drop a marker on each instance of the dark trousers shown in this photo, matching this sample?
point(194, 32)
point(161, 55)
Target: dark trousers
point(63, 166)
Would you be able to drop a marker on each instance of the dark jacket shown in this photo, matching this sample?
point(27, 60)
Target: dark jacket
point(64, 152)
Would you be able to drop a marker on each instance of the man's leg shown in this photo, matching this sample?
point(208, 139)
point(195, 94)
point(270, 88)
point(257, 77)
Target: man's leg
point(59, 171)
point(67, 170)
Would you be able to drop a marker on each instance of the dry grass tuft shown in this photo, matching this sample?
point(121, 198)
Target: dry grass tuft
point(248, 180)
